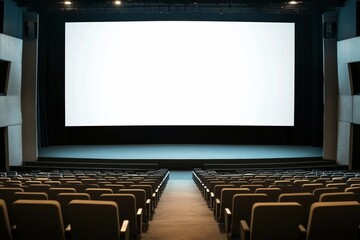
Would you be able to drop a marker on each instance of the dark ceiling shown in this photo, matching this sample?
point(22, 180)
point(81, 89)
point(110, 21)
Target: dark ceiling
point(169, 6)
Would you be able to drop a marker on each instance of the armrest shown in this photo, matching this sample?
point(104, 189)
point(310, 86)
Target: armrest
point(204, 190)
point(157, 192)
point(68, 228)
point(217, 209)
point(68, 232)
point(139, 219)
point(211, 201)
point(14, 231)
point(228, 217)
point(154, 202)
point(148, 208)
point(302, 232)
point(207, 194)
point(124, 230)
point(244, 230)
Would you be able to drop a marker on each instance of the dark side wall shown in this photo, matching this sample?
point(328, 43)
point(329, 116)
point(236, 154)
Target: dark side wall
point(12, 19)
point(347, 20)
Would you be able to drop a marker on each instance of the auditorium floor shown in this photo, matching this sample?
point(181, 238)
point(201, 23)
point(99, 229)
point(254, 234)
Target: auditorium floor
point(182, 213)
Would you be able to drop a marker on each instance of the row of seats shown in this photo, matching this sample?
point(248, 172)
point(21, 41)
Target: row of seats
point(42, 219)
point(235, 199)
point(135, 202)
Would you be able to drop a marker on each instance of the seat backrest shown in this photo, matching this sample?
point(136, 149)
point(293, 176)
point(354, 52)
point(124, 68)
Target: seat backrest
point(334, 220)
point(242, 208)
point(53, 192)
point(355, 190)
point(318, 191)
point(80, 187)
point(238, 183)
point(31, 195)
point(213, 183)
point(148, 189)
point(227, 195)
point(275, 221)
point(114, 187)
point(95, 193)
point(252, 187)
point(127, 184)
point(64, 199)
point(94, 220)
point(310, 187)
point(140, 197)
point(341, 186)
point(218, 188)
point(37, 188)
point(40, 219)
point(5, 230)
point(304, 199)
point(7, 194)
point(337, 197)
point(53, 183)
point(127, 209)
point(272, 193)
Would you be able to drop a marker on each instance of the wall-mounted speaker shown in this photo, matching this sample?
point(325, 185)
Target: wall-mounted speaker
point(30, 29)
point(330, 29)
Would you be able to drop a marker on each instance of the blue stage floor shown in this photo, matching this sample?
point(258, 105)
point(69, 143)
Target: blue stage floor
point(183, 152)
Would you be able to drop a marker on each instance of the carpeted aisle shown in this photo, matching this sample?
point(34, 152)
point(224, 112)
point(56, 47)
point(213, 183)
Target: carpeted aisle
point(182, 213)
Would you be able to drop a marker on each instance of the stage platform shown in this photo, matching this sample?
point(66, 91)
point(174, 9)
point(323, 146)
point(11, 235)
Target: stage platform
point(184, 157)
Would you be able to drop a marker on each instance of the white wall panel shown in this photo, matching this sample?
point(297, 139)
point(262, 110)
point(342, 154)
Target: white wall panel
point(344, 143)
point(10, 104)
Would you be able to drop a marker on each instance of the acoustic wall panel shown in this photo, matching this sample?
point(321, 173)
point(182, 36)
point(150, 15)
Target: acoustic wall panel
point(10, 104)
point(349, 104)
point(344, 79)
point(14, 143)
point(345, 108)
point(349, 49)
point(344, 143)
point(356, 111)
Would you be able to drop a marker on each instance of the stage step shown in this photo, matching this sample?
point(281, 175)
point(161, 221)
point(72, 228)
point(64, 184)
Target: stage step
point(176, 164)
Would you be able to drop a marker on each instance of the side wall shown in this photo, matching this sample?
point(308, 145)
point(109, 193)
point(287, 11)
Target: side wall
point(330, 91)
point(10, 103)
point(29, 88)
point(347, 51)
point(349, 104)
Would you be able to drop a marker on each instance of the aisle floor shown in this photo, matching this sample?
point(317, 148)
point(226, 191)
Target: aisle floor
point(182, 213)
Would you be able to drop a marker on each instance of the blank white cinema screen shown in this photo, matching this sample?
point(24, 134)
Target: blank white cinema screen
point(179, 73)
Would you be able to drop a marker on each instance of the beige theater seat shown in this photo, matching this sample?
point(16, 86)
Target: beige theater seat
point(227, 195)
point(54, 191)
point(337, 197)
point(127, 211)
point(272, 193)
point(5, 230)
point(95, 220)
point(30, 195)
point(95, 193)
point(241, 210)
point(141, 202)
point(278, 221)
point(304, 199)
point(64, 199)
point(333, 221)
point(38, 219)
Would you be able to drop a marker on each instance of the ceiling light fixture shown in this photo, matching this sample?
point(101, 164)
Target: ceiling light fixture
point(294, 2)
point(67, 3)
point(117, 2)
